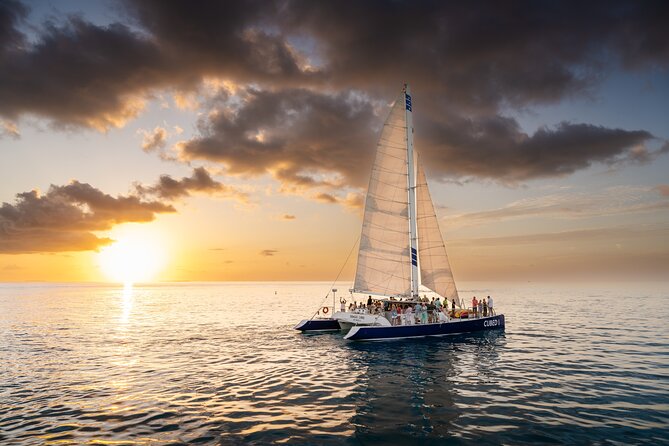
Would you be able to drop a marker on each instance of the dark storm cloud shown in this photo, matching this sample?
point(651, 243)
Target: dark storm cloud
point(236, 39)
point(81, 74)
point(299, 121)
point(482, 53)
point(298, 134)
point(11, 13)
point(200, 182)
point(65, 218)
point(295, 134)
point(497, 148)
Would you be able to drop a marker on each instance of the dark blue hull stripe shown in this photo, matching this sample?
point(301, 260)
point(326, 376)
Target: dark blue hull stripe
point(363, 333)
point(317, 325)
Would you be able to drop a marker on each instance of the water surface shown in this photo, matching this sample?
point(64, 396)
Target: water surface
point(219, 363)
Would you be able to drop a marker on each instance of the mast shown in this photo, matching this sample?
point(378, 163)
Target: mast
point(411, 189)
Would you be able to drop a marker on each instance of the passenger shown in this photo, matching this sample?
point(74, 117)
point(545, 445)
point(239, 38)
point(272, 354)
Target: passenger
point(480, 308)
point(490, 308)
point(417, 309)
point(475, 306)
point(408, 315)
point(369, 301)
point(423, 314)
point(342, 305)
point(453, 305)
point(485, 308)
point(443, 315)
point(393, 315)
point(437, 308)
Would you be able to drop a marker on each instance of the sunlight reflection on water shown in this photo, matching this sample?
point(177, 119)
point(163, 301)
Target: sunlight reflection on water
point(126, 303)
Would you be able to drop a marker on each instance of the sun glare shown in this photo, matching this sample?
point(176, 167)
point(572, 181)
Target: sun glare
point(132, 259)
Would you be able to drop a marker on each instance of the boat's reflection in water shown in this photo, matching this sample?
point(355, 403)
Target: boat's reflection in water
point(416, 390)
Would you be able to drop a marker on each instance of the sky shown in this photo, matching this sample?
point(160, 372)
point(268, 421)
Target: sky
point(234, 140)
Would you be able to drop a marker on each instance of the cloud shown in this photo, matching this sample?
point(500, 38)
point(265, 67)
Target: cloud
point(268, 252)
point(478, 57)
point(66, 217)
point(351, 200)
point(288, 217)
point(483, 54)
point(496, 148)
point(312, 80)
point(10, 129)
point(296, 135)
point(78, 74)
point(326, 198)
point(199, 182)
point(577, 237)
point(12, 12)
point(82, 75)
point(611, 201)
point(319, 141)
point(154, 140)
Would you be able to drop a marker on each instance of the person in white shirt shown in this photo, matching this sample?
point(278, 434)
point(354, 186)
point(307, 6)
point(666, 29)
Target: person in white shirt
point(491, 311)
point(408, 315)
point(443, 315)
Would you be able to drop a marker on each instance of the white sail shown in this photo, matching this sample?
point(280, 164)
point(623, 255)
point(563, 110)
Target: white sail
point(435, 270)
point(384, 263)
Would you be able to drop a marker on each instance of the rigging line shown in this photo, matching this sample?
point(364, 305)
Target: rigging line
point(384, 229)
point(388, 200)
point(384, 147)
point(388, 183)
point(389, 171)
point(337, 278)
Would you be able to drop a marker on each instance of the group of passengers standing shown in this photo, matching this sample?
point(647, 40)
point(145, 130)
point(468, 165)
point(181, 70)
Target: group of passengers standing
point(483, 307)
point(422, 312)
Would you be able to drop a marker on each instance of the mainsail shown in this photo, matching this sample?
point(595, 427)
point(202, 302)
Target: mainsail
point(384, 263)
point(384, 259)
point(435, 270)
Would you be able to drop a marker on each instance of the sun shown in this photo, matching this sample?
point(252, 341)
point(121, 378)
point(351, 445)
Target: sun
point(132, 259)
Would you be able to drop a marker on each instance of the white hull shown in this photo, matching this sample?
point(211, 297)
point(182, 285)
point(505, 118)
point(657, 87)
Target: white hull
point(350, 319)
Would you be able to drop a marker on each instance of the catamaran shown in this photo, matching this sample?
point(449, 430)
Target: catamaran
point(402, 252)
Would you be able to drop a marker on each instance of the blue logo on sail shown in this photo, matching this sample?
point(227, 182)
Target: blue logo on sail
point(414, 257)
point(408, 102)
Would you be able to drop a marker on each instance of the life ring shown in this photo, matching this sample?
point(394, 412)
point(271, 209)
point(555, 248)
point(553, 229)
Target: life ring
point(325, 310)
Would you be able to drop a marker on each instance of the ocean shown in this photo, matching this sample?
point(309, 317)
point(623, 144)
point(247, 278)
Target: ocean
point(219, 363)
